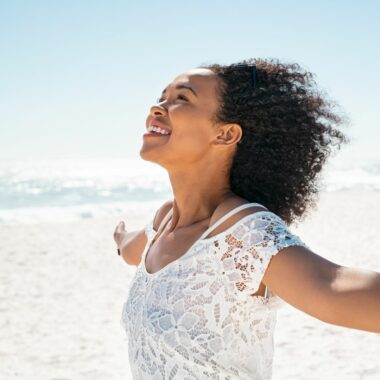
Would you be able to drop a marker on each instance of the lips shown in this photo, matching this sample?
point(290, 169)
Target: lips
point(159, 124)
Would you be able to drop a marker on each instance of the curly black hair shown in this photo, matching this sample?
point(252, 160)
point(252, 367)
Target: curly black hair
point(288, 129)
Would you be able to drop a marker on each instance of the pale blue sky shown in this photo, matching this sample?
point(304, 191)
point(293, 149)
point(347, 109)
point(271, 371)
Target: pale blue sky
point(77, 78)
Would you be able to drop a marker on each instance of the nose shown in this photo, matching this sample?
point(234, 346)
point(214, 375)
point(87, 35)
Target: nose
point(157, 110)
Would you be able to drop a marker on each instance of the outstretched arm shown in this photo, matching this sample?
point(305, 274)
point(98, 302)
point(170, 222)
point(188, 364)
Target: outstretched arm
point(335, 294)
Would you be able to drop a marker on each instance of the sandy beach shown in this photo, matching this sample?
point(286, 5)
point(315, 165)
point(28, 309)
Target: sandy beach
point(62, 287)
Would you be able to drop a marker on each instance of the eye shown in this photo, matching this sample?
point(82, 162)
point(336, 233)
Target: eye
point(183, 97)
point(159, 100)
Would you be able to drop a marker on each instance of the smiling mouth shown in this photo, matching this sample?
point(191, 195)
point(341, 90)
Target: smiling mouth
point(157, 131)
point(156, 134)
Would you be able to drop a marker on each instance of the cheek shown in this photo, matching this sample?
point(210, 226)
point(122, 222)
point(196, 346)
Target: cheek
point(190, 145)
point(190, 125)
point(192, 130)
point(193, 134)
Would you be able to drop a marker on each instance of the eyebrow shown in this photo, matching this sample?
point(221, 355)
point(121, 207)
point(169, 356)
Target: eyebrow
point(182, 86)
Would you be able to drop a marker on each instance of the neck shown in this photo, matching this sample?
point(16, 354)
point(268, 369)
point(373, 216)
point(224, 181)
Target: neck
point(197, 193)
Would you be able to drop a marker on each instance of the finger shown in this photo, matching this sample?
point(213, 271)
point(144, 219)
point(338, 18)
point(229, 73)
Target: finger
point(119, 228)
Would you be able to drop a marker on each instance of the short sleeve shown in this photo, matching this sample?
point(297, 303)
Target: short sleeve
point(250, 247)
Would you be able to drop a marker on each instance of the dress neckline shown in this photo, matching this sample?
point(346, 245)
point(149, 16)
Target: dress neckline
point(201, 239)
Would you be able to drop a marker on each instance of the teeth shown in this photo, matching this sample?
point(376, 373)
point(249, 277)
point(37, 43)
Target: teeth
point(158, 129)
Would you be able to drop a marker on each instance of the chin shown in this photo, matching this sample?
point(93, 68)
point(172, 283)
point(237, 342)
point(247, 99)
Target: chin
point(148, 155)
point(152, 157)
point(143, 154)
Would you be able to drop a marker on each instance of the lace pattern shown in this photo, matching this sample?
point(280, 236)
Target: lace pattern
point(196, 317)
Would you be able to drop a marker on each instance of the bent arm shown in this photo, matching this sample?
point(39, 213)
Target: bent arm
point(132, 247)
point(134, 242)
point(335, 294)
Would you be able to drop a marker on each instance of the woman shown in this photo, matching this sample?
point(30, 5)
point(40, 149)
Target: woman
point(242, 145)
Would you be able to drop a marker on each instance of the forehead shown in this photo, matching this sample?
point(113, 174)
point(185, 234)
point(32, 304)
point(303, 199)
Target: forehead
point(203, 81)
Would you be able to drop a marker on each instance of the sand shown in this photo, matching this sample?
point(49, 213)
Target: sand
point(62, 286)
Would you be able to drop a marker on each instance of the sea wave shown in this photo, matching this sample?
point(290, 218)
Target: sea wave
point(38, 190)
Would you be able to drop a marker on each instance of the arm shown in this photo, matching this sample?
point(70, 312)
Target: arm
point(335, 294)
point(132, 244)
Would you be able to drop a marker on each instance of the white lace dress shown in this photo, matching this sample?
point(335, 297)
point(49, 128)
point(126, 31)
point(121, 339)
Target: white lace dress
point(195, 318)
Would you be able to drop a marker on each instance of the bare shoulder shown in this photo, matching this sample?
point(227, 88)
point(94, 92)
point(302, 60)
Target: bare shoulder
point(230, 204)
point(226, 206)
point(132, 250)
point(222, 209)
point(161, 212)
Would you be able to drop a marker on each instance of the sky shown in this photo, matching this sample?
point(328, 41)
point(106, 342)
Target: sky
point(78, 78)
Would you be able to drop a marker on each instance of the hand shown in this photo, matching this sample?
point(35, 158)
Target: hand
point(120, 234)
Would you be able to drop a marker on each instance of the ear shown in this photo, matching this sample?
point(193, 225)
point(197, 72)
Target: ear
point(228, 135)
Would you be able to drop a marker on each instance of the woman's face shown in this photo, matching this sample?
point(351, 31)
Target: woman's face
point(186, 113)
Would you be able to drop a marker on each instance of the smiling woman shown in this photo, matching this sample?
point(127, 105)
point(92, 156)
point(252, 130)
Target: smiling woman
point(191, 97)
point(242, 145)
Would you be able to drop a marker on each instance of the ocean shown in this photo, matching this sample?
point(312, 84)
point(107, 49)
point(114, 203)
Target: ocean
point(37, 190)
